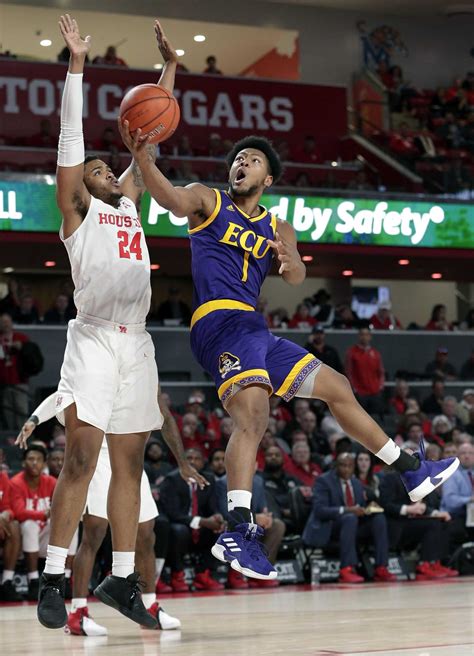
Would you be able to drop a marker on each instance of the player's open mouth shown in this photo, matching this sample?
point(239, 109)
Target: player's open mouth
point(240, 177)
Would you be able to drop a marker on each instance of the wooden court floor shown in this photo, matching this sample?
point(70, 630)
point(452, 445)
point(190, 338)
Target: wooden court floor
point(403, 619)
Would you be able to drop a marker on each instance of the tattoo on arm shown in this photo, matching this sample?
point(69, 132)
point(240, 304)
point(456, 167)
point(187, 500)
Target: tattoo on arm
point(136, 172)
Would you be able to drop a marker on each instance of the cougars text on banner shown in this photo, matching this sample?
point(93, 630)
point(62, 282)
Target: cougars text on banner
point(233, 107)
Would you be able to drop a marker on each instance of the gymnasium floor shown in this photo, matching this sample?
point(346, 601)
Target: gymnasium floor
point(404, 619)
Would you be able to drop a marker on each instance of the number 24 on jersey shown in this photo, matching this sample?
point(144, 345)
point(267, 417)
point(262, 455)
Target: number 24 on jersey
point(128, 248)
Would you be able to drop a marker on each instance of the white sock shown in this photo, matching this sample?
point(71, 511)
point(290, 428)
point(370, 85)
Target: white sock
point(238, 499)
point(55, 560)
point(389, 452)
point(33, 575)
point(78, 602)
point(148, 599)
point(7, 575)
point(68, 573)
point(159, 564)
point(123, 563)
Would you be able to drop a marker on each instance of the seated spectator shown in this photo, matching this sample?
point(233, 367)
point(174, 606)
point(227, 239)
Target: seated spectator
point(467, 369)
point(108, 141)
point(226, 428)
point(316, 345)
point(457, 493)
point(283, 150)
point(302, 180)
point(465, 406)
point(468, 323)
point(174, 311)
point(45, 138)
point(31, 493)
point(411, 524)
point(168, 170)
point(433, 452)
point(216, 465)
point(156, 468)
point(64, 55)
point(438, 105)
point(60, 313)
point(399, 399)
point(187, 173)
point(300, 465)
point(13, 382)
point(364, 471)
point(279, 318)
point(424, 142)
point(110, 58)
point(262, 308)
point(192, 438)
point(308, 154)
point(54, 462)
point(450, 410)
point(278, 485)
point(27, 312)
point(365, 371)
point(279, 412)
point(11, 302)
point(10, 541)
point(345, 318)
point(194, 523)
point(317, 441)
point(450, 450)
point(441, 429)
point(402, 143)
point(211, 68)
point(216, 146)
point(440, 366)
point(412, 415)
point(384, 319)
point(360, 182)
point(338, 513)
point(321, 309)
point(438, 319)
point(183, 147)
point(267, 441)
point(302, 320)
point(432, 404)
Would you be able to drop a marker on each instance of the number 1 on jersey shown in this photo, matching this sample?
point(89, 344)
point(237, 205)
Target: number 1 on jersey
point(125, 249)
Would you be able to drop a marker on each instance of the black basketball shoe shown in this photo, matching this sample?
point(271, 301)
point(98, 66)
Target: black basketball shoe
point(124, 595)
point(51, 607)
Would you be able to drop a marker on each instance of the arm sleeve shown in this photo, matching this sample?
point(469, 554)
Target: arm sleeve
point(71, 150)
point(46, 409)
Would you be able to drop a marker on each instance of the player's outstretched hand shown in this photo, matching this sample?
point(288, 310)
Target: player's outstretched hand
point(285, 252)
point(167, 51)
point(70, 30)
point(26, 430)
point(136, 142)
point(191, 475)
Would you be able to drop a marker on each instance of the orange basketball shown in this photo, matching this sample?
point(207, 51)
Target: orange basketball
point(151, 108)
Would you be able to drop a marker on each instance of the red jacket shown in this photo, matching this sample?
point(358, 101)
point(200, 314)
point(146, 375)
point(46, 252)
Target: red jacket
point(9, 374)
point(5, 495)
point(28, 503)
point(298, 322)
point(306, 477)
point(390, 323)
point(364, 368)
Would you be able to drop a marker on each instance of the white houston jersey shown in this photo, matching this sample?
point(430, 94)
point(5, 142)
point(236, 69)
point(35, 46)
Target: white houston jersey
point(110, 264)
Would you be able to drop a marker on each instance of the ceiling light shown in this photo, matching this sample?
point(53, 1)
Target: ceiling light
point(199, 38)
point(45, 42)
point(158, 66)
point(436, 276)
point(307, 258)
point(333, 163)
point(8, 270)
point(180, 52)
point(347, 273)
point(403, 262)
point(154, 267)
point(50, 263)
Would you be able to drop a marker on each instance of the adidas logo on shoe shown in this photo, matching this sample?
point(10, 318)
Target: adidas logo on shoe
point(231, 544)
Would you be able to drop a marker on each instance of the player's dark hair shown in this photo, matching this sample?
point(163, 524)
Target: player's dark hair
point(265, 146)
point(35, 447)
point(91, 158)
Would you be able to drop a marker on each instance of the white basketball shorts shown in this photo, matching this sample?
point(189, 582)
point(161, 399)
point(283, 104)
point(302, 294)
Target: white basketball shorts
point(96, 503)
point(109, 372)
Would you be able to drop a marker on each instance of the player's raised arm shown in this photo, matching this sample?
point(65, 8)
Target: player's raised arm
point(72, 196)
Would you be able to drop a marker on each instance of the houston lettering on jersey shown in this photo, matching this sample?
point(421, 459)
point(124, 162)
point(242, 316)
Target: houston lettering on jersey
point(119, 221)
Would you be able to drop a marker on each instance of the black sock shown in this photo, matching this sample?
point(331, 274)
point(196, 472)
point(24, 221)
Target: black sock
point(405, 462)
point(240, 516)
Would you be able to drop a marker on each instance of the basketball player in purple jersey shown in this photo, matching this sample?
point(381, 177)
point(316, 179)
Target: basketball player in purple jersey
point(233, 243)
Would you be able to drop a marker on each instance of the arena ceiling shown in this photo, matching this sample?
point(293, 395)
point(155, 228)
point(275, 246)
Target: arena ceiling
point(391, 7)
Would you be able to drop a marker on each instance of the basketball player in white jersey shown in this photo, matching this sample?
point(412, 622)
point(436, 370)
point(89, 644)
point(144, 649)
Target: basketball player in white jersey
point(94, 526)
point(109, 379)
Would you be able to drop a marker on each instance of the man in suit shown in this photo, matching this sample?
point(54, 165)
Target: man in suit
point(457, 493)
point(411, 524)
point(194, 523)
point(338, 513)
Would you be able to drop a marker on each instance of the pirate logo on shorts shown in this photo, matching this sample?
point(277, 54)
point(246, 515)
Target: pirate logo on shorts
point(228, 363)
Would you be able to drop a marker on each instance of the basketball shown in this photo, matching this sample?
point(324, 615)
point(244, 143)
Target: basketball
point(151, 108)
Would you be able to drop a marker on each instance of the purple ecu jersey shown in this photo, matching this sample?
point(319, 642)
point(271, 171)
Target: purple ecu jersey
point(231, 258)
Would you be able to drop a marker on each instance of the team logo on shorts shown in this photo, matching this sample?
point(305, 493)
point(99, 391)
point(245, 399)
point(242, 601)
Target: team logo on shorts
point(228, 363)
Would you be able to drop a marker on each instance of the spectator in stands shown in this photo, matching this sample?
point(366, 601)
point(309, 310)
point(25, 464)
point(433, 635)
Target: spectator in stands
point(364, 471)
point(308, 154)
point(168, 170)
point(441, 429)
point(412, 415)
point(156, 468)
point(365, 371)
point(279, 318)
point(11, 302)
point(283, 150)
point(10, 541)
point(316, 345)
point(300, 465)
point(216, 146)
point(211, 68)
point(174, 311)
point(309, 425)
point(433, 452)
point(302, 180)
point(457, 177)
point(279, 411)
point(457, 493)
point(450, 450)
point(45, 138)
point(192, 439)
point(360, 182)
point(465, 406)
point(108, 141)
point(467, 369)
point(194, 523)
point(60, 313)
point(450, 131)
point(31, 492)
point(438, 105)
point(187, 173)
point(226, 428)
point(402, 143)
point(302, 320)
point(26, 313)
point(450, 410)
point(13, 384)
point(468, 131)
point(468, 323)
point(345, 318)
point(110, 58)
point(217, 464)
point(440, 366)
point(338, 513)
point(54, 462)
point(384, 319)
point(278, 486)
point(183, 147)
point(262, 308)
point(401, 393)
point(321, 309)
point(414, 523)
point(64, 56)
point(425, 144)
point(432, 404)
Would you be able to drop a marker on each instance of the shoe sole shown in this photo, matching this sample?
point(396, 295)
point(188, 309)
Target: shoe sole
point(110, 601)
point(420, 492)
point(52, 626)
point(218, 551)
